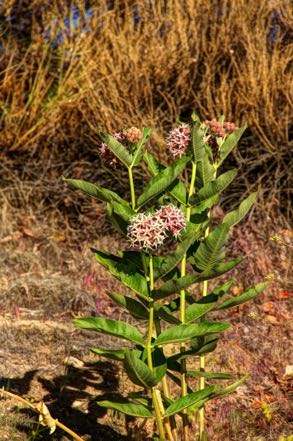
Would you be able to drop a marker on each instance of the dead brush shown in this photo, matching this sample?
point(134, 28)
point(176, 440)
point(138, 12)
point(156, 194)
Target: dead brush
point(60, 83)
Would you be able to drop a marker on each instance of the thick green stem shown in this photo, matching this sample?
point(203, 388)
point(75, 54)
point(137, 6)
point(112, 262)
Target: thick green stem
point(201, 415)
point(149, 355)
point(132, 190)
point(183, 307)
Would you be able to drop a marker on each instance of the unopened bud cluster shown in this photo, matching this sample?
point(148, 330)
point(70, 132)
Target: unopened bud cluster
point(128, 136)
point(218, 129)
point(149, 231)
point(178, 140)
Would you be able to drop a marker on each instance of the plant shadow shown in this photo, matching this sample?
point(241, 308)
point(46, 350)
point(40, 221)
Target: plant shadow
point(71, 399)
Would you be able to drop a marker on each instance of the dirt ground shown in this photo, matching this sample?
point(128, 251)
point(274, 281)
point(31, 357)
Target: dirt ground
point(48, 277)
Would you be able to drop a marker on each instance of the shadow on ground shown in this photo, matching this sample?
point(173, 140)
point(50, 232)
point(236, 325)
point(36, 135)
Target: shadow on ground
point(71, 398)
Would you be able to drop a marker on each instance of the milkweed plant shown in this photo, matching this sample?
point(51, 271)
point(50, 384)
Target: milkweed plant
point(179, 327)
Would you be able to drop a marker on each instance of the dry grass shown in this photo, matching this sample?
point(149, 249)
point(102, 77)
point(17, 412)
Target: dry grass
point(180, 56)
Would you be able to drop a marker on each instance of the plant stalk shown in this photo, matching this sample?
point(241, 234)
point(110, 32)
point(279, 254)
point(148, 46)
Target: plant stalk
point(201, 415)
point(156, 404)
point(183, 307)
point(132, 190)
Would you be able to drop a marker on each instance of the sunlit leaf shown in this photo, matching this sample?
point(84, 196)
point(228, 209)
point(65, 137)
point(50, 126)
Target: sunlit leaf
point(127, 407)
point(184, 402)
point(249, 294)
point(237, 215)
point(110, 327)
point(118, 149)
point(184, 332)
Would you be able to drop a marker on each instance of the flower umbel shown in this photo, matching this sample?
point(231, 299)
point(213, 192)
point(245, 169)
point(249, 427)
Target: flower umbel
point(178, 140)
point(175, 220)
point(146, 231)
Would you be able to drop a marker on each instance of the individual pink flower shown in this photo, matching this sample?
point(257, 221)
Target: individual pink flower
point(106, 154)
point(146, 231)
point(133, 135)
point(175, 220)
point(178, 140)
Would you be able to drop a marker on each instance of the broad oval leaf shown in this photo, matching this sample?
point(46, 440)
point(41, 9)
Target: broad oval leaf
point(135, 308)
point(110, 327)
point(168, 263)
point(185, 332)
point(124, 270)
point(205, 171)
point(162, 181)
point(229, 143)
point(127, 407)
point(197, 310)
point(211, 250)
point(213, 188)
point(176, 285)
point(118, 149)
point(138, 153)
point(190, 399)
point(237, 215)
point(125, 212)
point(197, 142)
point(249, 294)
point(112, 354)
point(100, 193)
point(138, 372)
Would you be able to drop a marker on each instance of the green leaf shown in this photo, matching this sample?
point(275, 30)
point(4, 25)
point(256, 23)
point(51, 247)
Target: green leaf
point(100, 193)
point(186, 332)
point(213, 188)
point(211, 250)
point(152, 163)
point(207, 303)
point(211, 375)
point(128, 407)
point(199, 346)
point(197, 310)
point(124, 270)
point(205, 171)
point(249, 294)
point(112, 354)
point(118, 149)
point(178, 382)
point(232, 387)
point(198, 145)
point(138, 372)
point(229, 143)
point(177, 190)
point(237, 215)
point(176, 285)
point(162, 181)
point(116, 220)
point(191, 234)
point(159, 364)
point(164, 313)
point(137, 155)
point(110, 327)
point(184, 402)
point(123, 211)
point(135, 308)
point(204, 345)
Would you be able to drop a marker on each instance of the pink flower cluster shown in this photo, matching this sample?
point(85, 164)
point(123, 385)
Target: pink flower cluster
point(148, 231)
point(218, 129)
point(178, 140)
point(132, 136)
